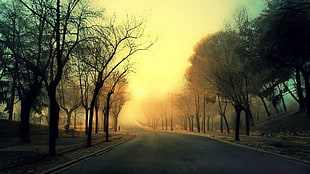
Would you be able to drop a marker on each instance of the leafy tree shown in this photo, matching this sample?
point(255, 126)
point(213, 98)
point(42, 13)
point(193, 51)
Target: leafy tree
point(25, 57)
point(284, 29)
point(219, 61)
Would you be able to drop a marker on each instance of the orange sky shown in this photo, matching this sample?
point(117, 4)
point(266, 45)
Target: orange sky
point(179, 25)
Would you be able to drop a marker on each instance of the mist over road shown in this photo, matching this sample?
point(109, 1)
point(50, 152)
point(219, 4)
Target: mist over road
point(164, 152)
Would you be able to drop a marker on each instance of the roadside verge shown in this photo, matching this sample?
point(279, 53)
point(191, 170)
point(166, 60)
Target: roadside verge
point(48, 164)
point(54, 169)
point(291, 148)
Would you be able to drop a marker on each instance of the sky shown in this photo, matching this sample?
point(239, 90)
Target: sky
point(178, 25)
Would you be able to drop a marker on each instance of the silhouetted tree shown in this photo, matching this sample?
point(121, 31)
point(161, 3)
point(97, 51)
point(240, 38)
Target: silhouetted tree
point(114, 44)
point(220, 63)
point(85, 84)
point(25, 58)
point(66, 21)
point(193, 78)
point(116, 78)
point(119, 99)
point(284, 29)
point(69, 99)
point(222, 111)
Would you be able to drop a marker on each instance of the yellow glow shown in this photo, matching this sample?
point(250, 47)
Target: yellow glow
point(178, 24)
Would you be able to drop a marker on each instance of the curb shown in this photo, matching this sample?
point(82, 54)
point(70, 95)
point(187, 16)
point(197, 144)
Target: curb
point(54, 169)
point(28, 158)
point(296, 160)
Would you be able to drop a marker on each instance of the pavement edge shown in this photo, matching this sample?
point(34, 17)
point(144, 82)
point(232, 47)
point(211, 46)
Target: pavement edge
point(54, 169)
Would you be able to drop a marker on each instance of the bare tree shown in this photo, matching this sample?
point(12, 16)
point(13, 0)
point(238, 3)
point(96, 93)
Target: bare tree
point(185, 104)
point(222, 103)
point(118, 101)
point(114, 44)
point(116, 78)
point(198, 90)
point(66, 21)
point(69, 99)
point(84, 77)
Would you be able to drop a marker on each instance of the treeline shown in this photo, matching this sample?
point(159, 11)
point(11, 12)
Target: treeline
point(249, 64)
point(63, 55)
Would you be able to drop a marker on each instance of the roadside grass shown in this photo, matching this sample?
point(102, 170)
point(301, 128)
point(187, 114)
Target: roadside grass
point(290, 124)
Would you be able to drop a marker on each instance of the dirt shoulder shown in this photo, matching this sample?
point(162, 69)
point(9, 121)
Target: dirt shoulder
point(33, 158)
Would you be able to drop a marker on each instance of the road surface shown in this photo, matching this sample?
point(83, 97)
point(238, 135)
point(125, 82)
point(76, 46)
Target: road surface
point(163, 152)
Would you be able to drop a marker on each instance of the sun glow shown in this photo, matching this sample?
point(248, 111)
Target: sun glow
point(178, 25)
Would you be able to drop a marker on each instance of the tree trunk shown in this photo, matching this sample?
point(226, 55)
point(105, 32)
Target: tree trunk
point(115, 124)
point(265, 105)
point(54, 107)
point(300, 93)
point(162, 122)
point(189, 124)
point(97, 118)
point(247, 123)
point(171, 127)
point(12, 99)
point(307, 86)
point(204, 112)
point(238, 110)
point(107, 116)
point(208, 123)
point(201, 125)
point(74, 124)
point(86, 120)
point(54, 118)
point(249, 118)
point(24, 120)
point(212, 125)
point(105, 120)
point(221, 122)
point(91, 114)
point(69, 113)
point(198, 125)
point(226, 122)
point(90, 126)
point(276, 108)
point(282, 99)
point(222, 113)
point(192, 122)
point(26, 104)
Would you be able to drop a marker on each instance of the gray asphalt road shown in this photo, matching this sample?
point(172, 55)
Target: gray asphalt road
point(160, 152)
